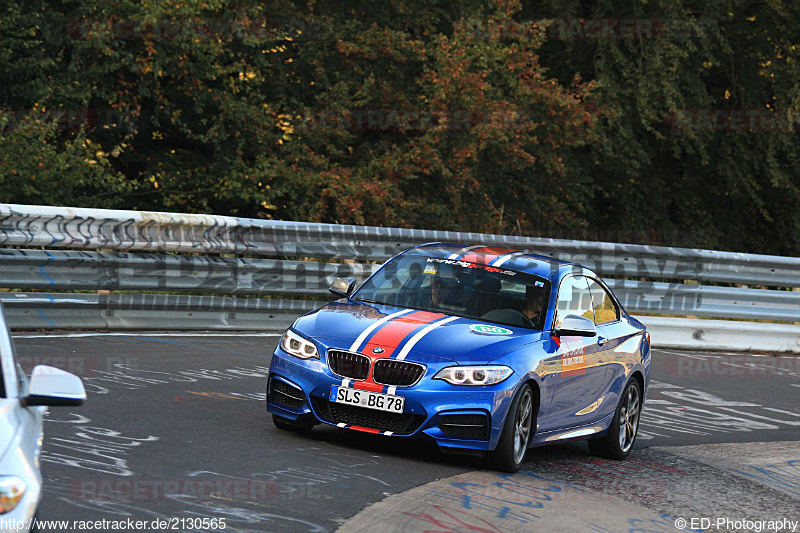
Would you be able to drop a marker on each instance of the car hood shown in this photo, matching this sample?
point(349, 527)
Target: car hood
point(352, 325)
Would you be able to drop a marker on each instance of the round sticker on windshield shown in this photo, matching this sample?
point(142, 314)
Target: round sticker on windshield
point(490, 330)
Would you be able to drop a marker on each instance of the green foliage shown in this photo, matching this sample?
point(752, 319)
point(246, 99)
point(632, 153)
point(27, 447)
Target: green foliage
point(660, 161)
point(485, 115)
point(416, 128)
point(39, 166)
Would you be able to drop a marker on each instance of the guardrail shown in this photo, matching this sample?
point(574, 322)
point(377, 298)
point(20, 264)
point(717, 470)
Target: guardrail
point(101, 229)
point(66, 249)
point(82, 270)
point(149, 311)
point(187, 313)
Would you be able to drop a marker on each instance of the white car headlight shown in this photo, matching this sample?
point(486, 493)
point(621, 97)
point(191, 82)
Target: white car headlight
point(12, 489)
point(294, 344)
point(474, 375)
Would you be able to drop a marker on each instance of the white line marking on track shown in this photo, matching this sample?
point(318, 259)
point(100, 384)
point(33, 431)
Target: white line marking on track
point(662, 385)
point(701, 357)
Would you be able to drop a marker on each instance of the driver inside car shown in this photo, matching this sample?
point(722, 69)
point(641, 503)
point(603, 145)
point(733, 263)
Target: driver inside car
point(534, 299)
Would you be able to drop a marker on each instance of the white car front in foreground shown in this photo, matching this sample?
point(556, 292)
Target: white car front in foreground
point(22, 404)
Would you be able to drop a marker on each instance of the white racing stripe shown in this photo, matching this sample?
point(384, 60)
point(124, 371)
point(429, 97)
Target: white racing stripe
point(416, 338)
point(341, 425)
point(391, 390)
point(388, 433)
point(357, 343)
point(346, 382)
point(503, 258)
point(464, 251)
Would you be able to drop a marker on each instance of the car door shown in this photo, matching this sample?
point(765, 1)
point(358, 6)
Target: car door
point(616, 345)
point(581, 376)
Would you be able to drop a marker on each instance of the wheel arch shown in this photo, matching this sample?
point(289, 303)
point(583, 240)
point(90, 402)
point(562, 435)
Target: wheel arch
point(637, 374)
point(537, 396)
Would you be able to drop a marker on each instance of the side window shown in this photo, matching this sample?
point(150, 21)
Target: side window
point(574, 298)
point(605, 308)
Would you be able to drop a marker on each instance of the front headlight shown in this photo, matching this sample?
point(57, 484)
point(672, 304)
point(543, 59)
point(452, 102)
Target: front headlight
point(298, 346)
point(474, 375)
point(12, 489)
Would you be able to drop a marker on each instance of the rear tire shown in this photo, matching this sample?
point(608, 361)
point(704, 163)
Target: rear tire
point(518, 429)
point(618, 442)
point(301, 425)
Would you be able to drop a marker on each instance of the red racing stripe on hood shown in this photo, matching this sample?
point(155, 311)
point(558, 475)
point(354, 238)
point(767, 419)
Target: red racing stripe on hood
point(389, 338)
point(392, 334)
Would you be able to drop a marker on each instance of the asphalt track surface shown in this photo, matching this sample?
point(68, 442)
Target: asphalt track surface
point(175, 429)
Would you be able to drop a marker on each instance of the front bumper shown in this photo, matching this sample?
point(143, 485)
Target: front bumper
point(454, 416)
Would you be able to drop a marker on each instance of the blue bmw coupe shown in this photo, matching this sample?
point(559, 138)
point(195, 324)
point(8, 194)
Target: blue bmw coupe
point(484, 349)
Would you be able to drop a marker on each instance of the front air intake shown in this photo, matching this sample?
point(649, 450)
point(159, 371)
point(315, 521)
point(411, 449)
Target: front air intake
point(348, 364)
point(400, 373)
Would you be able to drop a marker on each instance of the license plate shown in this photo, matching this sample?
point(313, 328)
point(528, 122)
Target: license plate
point(368, 399)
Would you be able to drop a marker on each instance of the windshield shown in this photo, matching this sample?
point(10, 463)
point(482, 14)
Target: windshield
point(460, 288)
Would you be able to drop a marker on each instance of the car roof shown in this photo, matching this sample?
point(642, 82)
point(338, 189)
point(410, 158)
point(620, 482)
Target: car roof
point(521, 261)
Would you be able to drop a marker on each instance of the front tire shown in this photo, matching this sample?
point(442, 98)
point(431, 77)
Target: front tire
point(301, 425)
point(517, 432)
point(618, 442)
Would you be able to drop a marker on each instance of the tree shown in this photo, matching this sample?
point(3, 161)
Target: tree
point(491, 115)
point(661, 161)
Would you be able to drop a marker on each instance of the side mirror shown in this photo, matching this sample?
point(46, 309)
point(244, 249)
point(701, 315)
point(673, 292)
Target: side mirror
point(53, 386)
point(576, 326)
point(343, 287)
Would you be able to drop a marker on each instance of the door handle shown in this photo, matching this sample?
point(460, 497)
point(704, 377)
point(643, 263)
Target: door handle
point(601, 341)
